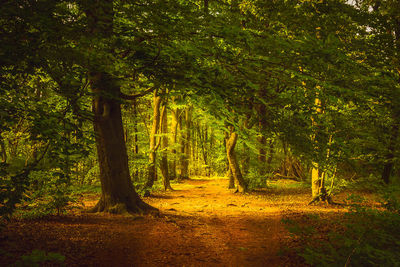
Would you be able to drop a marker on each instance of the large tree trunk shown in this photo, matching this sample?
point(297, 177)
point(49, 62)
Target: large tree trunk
point(118, 194)
point(164, 148)
point(152, 171)
point(233, 163)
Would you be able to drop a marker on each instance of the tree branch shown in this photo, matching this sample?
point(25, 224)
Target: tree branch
point(135, 96)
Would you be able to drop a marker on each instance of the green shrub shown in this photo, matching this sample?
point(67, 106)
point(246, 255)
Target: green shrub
point(49, 193)
point(362, 237)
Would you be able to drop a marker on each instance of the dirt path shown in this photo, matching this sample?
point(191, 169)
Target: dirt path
point(202, 224)
point(219, 227)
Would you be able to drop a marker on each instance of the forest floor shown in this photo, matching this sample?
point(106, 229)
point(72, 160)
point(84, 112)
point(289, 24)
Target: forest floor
point(201, 223)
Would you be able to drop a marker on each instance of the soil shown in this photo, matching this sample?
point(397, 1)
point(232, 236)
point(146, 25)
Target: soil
point(201, 223)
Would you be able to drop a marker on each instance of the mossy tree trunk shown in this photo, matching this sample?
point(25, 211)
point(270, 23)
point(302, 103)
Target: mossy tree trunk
point(164, 147)
point(118, 194)
point(229, 174)
point(174, 137)
point(152, 171)
point(186, 149)
point(233, 163)
point(318, 189)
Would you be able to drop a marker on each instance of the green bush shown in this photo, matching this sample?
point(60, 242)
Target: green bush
point(363, 237)
point(49, 193)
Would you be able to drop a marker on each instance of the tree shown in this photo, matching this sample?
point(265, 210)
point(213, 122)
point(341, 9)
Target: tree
point(234, 167)
point(164, 146)
point(118, 193)
point(152, 170)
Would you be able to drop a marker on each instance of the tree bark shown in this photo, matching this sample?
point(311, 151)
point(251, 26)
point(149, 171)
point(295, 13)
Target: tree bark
point(389, 164)
point(174, 134)
point(152, 171)
point(118, 194)
point(186, 145)
point(164, 148)
point(135, 173)
point(315, 181)
point(3, 150)
point(271, 154)
point(231, 179)
point(233, 163)
point(228, 168)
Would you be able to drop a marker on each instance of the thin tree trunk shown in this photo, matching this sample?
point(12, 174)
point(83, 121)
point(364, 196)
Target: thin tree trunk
point(228, 168)
point(152, 171)
point(3, 150)
point(174, 133)
point(164, 147)
point(315, 181)
point(231, 179)
point(389, 164)
point(204, 150)
point(233, 163)
point(186, 145)
point(135, 174)
point(317, 175)
point(182, 137)
point(262, 158)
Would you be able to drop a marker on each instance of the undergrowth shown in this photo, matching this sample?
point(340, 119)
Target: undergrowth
point(361, 237)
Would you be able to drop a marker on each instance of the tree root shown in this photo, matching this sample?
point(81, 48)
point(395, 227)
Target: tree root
point(324, 199)
point(139, 207)
point(169, 188)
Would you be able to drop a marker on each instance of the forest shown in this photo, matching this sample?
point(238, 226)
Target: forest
point(199, 133)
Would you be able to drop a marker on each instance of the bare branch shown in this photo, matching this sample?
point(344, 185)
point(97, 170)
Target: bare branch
point(135, 96)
